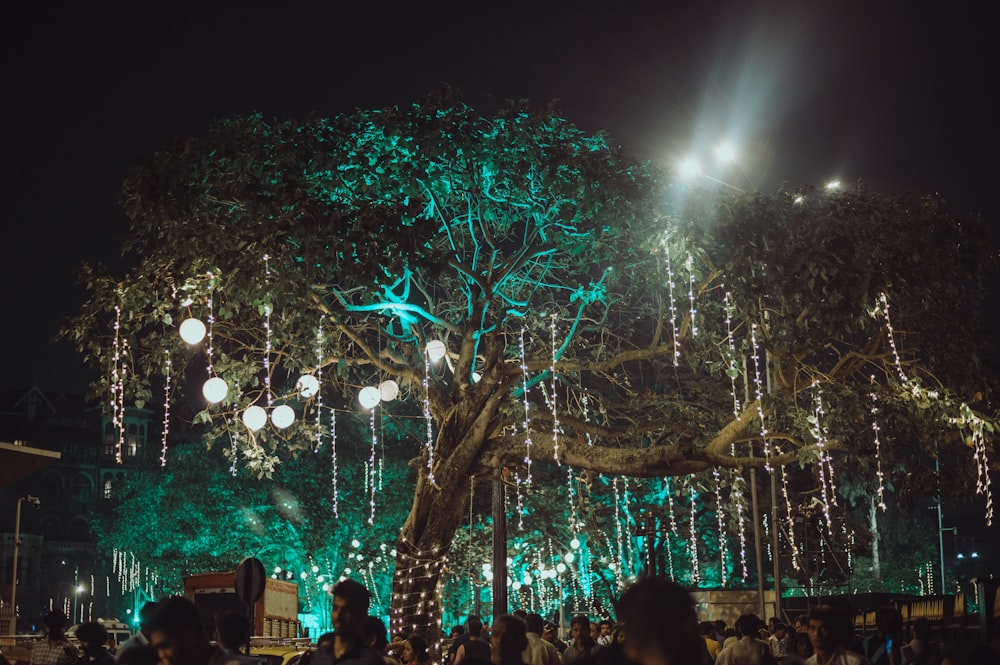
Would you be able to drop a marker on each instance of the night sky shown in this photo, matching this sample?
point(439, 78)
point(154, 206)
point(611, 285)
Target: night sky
point(895, 93)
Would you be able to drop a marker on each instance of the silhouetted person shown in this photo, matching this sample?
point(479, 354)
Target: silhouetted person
point(54, 648)
point(232, 634)
point(141, 638)
point(175, 631)
point(508, 640)
point(350, 607)
point(661, 627)
point(829, 631)
point(92, 637)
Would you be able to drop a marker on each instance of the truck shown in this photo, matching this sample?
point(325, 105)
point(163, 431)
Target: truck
point(275, 614)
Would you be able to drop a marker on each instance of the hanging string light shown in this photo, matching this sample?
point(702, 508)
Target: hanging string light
point(824, 469)
point(693, 311)
point(527, 408)
point(789, 520)
point(673, 306)
point(695, 571)
point(733, 369)
point(720, 517)
point(166, 409)
point(878, 447)
point(429, 441)
point(759, 394)
point(370, 467)
point(333, 460)
point(555, 413)
point(117, 386)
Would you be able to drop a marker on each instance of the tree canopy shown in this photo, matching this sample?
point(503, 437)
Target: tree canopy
point(594, 312)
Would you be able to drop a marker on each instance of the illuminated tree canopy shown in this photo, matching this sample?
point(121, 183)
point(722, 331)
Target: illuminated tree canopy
point(594, 313)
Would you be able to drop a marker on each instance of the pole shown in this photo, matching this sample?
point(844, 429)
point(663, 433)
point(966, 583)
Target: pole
point(13, 584)
point(937, 472)
point(756, 541)
point(499, 546)
point(775, 557)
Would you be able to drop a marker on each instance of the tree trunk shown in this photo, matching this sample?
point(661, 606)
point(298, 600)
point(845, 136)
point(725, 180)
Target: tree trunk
point(873, 525)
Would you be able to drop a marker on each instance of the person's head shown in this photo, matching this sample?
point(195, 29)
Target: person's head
point(802, 623)
point(92, 637)
point(779, 629)
point(325, 641)
point(748, 625)
point(706, 629)
point(606, 626)
point(54, 623)
point(618, 636)
point(508, 639)
point(475, 628)
point(350, 606)
point(146, 613)
point(595, 631)
point(520, 613)
point(549, 633)
point(921, 629)
point(175, 631)
point(889, 621)
point(415, 650)
point(534, 622)
point(579, 627)
point(801, 645)
point(771, 623)
point(661, 626)
point(374, 633)
point(827, 628)
point(232, 630)
point(456, 631)
point(720, 627)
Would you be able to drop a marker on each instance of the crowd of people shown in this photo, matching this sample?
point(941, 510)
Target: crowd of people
point(656, 625)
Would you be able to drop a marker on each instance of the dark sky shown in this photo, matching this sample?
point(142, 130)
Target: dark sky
point(896, 93)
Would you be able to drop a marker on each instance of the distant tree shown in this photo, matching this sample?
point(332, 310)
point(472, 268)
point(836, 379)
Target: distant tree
point(592, 312)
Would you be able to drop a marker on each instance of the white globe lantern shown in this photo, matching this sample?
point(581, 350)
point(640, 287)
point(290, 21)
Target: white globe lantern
point(560, 568)
point(575, 543)
point(192, 331)
point(215, 389)
point(282, 416)
point(435, 350)
point(308, 386)
point(388, 390)
point(570, 557)
point(254, 417)
point(369, 397)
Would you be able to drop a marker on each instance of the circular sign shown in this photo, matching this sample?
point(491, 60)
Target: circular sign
point(250, 580)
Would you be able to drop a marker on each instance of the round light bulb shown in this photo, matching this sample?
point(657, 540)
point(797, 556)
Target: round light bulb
point(476, 377)
point(388, 390)
point(254, 417)
point(369, 397)
point(435, 350)
point(575, 543)
point(282, 416)
point(308, 386)
point(192, 331)
point(570, 557)
point(215, 390)
point(561, 568)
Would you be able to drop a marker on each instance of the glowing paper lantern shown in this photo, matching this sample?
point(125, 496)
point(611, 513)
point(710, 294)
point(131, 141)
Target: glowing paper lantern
point(254, 417)
point(435, 350)
point(388, 390)
point(282, 416)
point(308, 386)
point(215, 390)
point(192, 331)
point(369, 397)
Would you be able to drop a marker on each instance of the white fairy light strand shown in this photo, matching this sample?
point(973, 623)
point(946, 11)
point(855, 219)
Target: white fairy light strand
point(733, 370)
point(673, 306)
point(819, 433)
point(695, 570)
point(117, 388)
point(319, 385)
point(759, 393)
point(720, 518)
point(555, 413)
point(878, 448)
point(689, 264)
point(166, 409)
point(333, 460)
point(429, 441)
point(527, 408)
point(370, 466)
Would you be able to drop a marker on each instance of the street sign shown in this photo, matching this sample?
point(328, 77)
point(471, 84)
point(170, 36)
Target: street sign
point(250, 580)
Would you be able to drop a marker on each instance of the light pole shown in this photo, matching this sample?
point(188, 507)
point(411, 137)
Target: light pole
point(33, 500)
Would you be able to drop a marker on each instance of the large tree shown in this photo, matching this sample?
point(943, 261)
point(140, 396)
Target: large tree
point(593, 312)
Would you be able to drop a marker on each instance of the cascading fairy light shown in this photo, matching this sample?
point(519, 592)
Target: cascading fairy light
point(166, 409)
point(759, 395)
point(668, 490)
point(720, 517)
point(627, 514)
point(333, 460)
point(695, 571)
point(267, 332)
point(789, 520)
point(733, 369)
point(429, 422)
point(555, 413)
point(673, 306)
point(234, 445)
point(878, 447)
point(319, 385)
point(370, 467)
point(117, 386)
point(737, 500)
point(618, 523)
point(692, 283)
point(822, 465)
point(526, 423)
